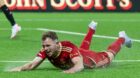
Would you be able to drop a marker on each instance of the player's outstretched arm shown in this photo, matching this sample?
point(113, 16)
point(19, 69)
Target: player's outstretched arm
point(78, 65)
point(29, 66)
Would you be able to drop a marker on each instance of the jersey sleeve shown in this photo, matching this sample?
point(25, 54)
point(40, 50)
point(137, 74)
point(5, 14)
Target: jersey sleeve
point(42, 54)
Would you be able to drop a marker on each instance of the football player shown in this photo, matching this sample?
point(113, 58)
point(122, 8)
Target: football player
point(68, 57)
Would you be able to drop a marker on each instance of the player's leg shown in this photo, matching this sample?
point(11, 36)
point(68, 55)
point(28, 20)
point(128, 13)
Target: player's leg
point(115, 47)
point(122, 40)
point(106, 57)
point(9, 16)
point(87, 39)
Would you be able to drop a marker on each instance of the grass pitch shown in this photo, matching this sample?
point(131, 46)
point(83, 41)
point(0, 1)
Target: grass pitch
point(27, 44)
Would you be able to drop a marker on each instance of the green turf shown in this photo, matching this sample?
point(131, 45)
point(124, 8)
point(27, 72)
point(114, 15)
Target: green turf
point(28, 43)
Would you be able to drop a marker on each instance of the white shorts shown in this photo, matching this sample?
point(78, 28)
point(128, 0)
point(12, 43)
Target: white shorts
point(2, 3)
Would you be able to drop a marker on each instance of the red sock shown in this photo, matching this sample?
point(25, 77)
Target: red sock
point(87, 40)
point(116, 46)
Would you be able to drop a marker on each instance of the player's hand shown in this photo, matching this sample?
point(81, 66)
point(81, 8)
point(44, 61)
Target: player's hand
point(68, 71)
point(17, 69)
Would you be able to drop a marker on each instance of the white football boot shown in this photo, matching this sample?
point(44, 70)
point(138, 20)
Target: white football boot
point(93, 25)
point(128, 41)
point(15, 30)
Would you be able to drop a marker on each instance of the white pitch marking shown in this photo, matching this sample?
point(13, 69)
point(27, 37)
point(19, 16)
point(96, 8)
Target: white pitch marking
point(71, 33)
point(82, 34)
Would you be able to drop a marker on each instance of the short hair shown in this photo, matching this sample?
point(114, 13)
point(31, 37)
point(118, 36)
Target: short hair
point(50, 34)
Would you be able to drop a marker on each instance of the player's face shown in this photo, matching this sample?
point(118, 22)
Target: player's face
point(50, 46)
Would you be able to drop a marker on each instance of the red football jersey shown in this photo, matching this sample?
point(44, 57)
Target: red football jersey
point(63, 61)
point(68, 51)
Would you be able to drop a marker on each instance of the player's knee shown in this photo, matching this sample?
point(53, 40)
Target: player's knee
point(110, 55)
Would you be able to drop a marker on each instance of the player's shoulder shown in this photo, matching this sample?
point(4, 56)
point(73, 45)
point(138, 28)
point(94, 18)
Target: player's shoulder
point(66, 43)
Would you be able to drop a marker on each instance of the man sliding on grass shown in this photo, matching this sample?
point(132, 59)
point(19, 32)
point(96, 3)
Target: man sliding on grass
point(71, 59)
